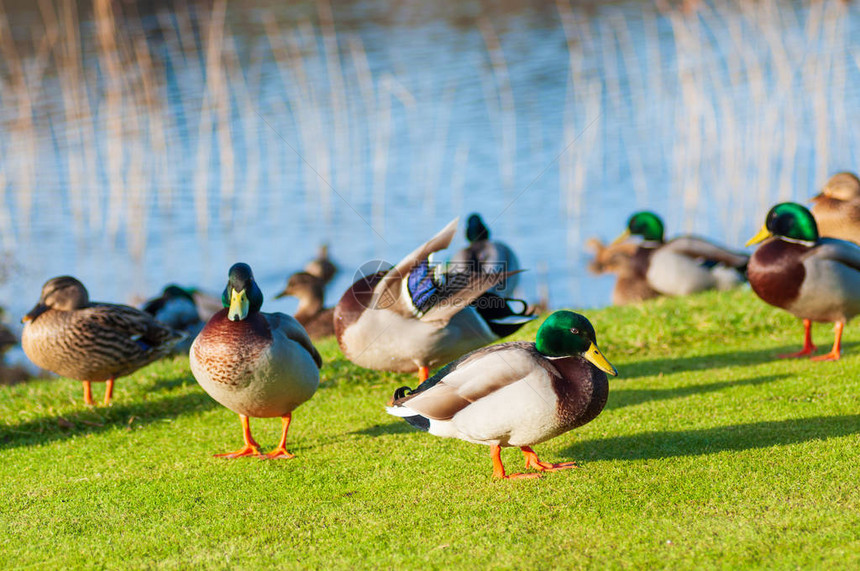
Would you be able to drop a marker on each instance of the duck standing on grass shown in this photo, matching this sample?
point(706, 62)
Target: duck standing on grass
point(317, 320)
point(516, 393)
point(837, 208)
point(681, 266)
point(488, 256)
point(409, 317)
point(813, 278)
point(254, 363)
point(92, 342)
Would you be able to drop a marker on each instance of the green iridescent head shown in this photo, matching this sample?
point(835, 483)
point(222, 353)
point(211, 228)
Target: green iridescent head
point(242, 295)
point(646, 224)
point(788, 220)
point(565, 334)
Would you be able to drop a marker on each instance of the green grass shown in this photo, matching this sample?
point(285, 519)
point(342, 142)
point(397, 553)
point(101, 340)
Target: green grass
point(710, 453)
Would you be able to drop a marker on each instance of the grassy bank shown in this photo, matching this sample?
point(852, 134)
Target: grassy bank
point(710, 453)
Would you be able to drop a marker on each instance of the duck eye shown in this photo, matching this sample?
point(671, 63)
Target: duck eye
point(574, 330)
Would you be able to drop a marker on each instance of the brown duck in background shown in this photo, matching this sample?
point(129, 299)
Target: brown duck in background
point(310, 291)
point(631, 285)
point(837, 208)
point(92, 342)
point(322, 266)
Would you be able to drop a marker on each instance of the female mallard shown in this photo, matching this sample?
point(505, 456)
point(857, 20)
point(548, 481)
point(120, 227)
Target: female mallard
point(630, 285)
point(92, 342)
point(488, 256)
point(322, 266)
point(256, 364)
point(410, 318)
point(837, 208)
point(683, 265)
point(816, 279)
point(515, 394)
point(317, 320)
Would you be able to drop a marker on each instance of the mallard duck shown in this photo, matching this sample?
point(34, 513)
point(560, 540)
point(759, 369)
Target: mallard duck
point(92, 342)
point(516, 393)
point(254, 363)
point(485, 255)
point(683, 265)
point(837, 208)
point(322, 266)
point(410, 317)
point(177, 308)
point(310, 290)
point(816, 279)
point(631, 286)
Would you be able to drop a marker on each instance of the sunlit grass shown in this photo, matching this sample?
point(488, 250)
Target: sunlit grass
point(710, 453)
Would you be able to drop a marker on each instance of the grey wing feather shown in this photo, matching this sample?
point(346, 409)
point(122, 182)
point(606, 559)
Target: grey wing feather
point(294, 331)
point(842, 251)
point(699, 248)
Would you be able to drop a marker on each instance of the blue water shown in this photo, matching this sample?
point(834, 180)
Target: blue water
point(707, 118)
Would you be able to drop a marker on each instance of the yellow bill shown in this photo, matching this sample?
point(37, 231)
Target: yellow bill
point(598, 360)
point(762, 235)
point(624, 235)
point(238, 306)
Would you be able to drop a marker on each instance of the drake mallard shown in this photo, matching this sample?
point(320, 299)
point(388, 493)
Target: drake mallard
point(411, 317)
point(630, 284)
point(322, 266)
point(254, 363)
point(92, 342)
point(837, 208)
point(488, 256)
point(317, 320)
point(516, 393)
point(683, 265)
point(177, 308)
point(816, 279)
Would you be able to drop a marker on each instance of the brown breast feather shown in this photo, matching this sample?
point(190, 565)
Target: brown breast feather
point(229, 350)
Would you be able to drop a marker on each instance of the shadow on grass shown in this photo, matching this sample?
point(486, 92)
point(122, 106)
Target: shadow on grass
point(86, 420)
point(670, 365)
point(399, 427)
point(665, 444)
point(629, 397)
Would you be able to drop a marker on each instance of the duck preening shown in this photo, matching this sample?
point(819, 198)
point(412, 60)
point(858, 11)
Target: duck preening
point(411, 317)
point(813, 278)
point(93, 342)
point(256, 364)
point(515, 394)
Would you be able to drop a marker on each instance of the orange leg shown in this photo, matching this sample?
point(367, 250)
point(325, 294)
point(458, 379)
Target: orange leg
point(281, 451)
point(108, 391)
point(499, 469)
point(88, 393)
point(837, 346)
point(532, 461)
point(251, 447)
point(808, 347)
point(423, 374)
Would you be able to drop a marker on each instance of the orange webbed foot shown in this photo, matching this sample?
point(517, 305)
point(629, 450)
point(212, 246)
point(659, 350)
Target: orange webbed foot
point(532, 461)
point(827, 357)
point(249, 450)
point(279, 453)
point(802, 353)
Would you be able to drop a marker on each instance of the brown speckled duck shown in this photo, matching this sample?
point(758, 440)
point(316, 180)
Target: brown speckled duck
point(256, 364)
point(310, 291)
point(816, 279)
point(92, 342)
point(837, 208)
point(631, 286)
point(515, 394)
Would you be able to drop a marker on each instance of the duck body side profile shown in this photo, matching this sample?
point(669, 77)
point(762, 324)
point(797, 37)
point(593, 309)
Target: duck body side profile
point(631, 284)
point(815, 279)
point(177, 308)
point(515, 394)
point(92, 342)
point(837, 208)
point(683, 265)
point(256, 364)
point(407, 319)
